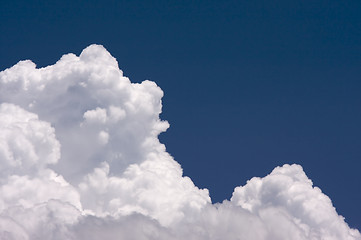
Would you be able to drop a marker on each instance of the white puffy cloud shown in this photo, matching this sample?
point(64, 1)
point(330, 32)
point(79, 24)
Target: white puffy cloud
point(288, 203)
point(25, 141)
point(80, 159)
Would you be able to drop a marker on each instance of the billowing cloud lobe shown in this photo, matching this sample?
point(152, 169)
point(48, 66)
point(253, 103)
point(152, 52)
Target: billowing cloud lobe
point(80, 159)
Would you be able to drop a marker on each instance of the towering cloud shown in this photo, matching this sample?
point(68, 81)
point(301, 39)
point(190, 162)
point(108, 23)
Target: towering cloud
point(80, 159)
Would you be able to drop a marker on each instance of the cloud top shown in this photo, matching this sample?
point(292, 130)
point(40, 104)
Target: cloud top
point(80, 159)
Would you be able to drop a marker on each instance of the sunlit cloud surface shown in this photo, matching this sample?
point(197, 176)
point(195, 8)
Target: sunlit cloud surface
point(80, 158)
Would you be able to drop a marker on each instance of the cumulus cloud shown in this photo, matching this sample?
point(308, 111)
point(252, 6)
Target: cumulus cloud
point(80, 159)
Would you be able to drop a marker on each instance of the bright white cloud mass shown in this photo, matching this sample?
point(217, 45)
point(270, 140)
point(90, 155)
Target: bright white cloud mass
point(80, 159)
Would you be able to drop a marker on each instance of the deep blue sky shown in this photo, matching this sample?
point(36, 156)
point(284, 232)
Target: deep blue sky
point(249, 85)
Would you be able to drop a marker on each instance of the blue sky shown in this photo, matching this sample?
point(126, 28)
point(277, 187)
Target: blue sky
point(248, 85)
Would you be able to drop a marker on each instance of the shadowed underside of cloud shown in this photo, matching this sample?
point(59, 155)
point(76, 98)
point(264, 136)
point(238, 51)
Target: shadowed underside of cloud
point(80, 159)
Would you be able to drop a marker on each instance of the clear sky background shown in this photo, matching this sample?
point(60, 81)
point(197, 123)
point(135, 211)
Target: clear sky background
point(249, 85)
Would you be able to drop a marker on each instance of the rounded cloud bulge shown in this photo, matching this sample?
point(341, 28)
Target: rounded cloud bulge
point(81, 159)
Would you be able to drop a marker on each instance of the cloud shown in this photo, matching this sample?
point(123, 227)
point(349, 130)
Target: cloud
point(80, 159)
point(25, 141)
